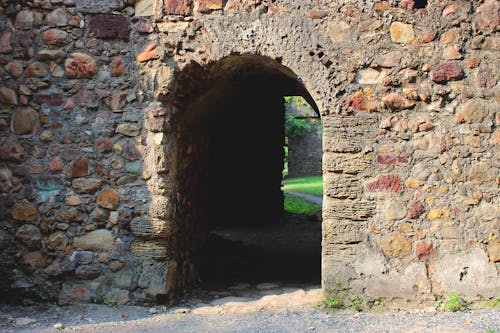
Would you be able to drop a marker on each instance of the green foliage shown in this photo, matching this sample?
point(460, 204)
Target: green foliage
point(297, 100)
point(294, 204)
point(285, 162)
point(311, 185)
point(455, 303)
point(492, 331)
point(110, 301)
point(342, 299)
point(294, 126)
point(493, 303)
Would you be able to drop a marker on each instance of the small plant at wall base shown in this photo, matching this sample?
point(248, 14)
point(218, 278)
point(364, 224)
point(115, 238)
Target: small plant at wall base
point(455, 302)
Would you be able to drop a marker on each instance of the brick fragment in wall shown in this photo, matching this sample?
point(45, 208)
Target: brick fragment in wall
point(105, 26)
point(385, 182)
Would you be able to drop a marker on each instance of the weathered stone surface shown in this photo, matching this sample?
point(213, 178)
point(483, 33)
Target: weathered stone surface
point(338, 31)
point(11, 150)
point(391, 59)
point(151, 228)
point(369, 76)
point(56, 241)
point(487, 16)
point(480, 279)
point(108, 198)
point(473, 111)
point(24, 19)
point(438, 214)
point(493, 248)
point(148, 53)
point(487, 212)
point(144, 8)
point(154, 277)
point(98, 240)
point(393, 210)
point(24, 211)
point(402, 33)
point(481, 174)
point(97, 6)
point(117, 66)
point(346, 163)
point(80, 65)
point(416, 210)
point(317, 14)
point(150, 249)
point(447, 72)
point(128, 129)
point(78, 168)
point(86, 185)
point(8, 96)
point(73, 200)
point(363, 100)
point(424, 250)
point(208, 5)
point(30, 235)
point(73, 294)
point(59, 17)
point(341, 186)
point(55, 37)
point(397, 102)
point(25, 121)
point(34, 260)
point(107, 26)
point(14, 68)
point(347, 209)
point(177, 7)
point(397, 246)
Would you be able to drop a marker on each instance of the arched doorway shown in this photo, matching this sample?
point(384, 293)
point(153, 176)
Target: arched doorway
point(229, 127)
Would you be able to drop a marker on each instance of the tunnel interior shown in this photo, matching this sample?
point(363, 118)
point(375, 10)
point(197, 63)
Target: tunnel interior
point(232, 137)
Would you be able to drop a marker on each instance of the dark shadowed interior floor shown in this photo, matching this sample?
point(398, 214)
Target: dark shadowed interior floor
point(286, 253)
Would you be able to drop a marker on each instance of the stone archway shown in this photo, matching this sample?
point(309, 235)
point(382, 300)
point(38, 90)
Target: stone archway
point(227, 127)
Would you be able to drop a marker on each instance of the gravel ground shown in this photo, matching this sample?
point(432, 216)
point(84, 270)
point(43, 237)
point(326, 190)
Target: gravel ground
point(291, 311)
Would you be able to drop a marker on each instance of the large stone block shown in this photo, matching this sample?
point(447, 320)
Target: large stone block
point(341, 186)
point(150, 228)
point(346, 209)
point(98, 240)
point(150, 249)
point(470, 274)
point(346, 162)
point(154, 277)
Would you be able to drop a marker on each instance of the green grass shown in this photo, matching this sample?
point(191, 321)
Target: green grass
point(311, 185)
point(294, 204)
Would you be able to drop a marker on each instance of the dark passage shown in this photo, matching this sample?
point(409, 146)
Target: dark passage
point(234, 228)
point(250, 238)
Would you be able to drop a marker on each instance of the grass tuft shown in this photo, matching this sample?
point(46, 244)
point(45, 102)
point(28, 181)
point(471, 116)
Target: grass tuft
point(310, 184)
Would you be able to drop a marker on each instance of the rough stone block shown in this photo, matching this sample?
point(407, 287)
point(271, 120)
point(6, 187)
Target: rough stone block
point(151, 228)
point(341, 186)
point(469, 274)
point(345, 209)
point(346, 162)
point(98, 240)
point(150, 249)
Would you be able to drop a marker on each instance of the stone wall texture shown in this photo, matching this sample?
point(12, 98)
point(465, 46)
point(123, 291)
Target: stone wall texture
point(93, 166)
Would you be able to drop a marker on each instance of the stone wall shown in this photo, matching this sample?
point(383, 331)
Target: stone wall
point(94, 168)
